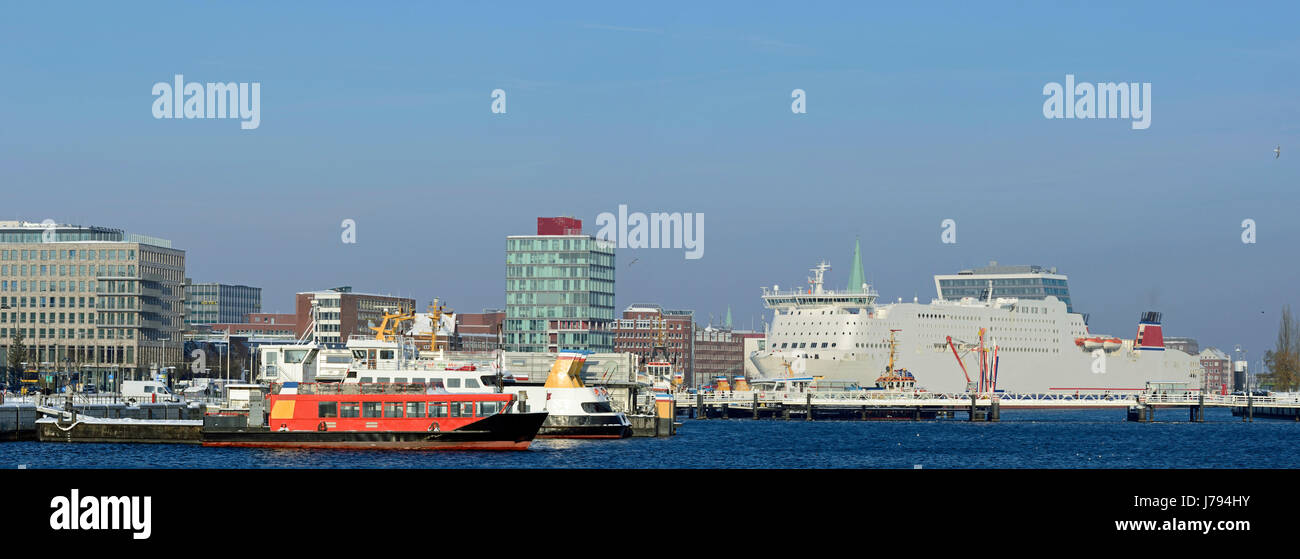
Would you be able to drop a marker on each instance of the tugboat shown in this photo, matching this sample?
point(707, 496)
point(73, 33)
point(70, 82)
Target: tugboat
point(895, 380)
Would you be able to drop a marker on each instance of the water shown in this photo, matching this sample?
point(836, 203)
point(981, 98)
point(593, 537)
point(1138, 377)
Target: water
point(1023, 439)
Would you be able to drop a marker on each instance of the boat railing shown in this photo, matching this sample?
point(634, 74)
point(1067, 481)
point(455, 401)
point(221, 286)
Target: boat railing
point(356, 388)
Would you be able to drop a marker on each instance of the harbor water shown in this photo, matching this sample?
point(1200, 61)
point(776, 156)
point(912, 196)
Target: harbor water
point(1023, 439)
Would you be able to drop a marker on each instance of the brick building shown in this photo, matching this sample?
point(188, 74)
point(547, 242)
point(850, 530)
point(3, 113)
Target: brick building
point(261, 324)
point(478, 331)
point(637, 331)
point(1216, 367)
point(718, 352)
point(343, 313)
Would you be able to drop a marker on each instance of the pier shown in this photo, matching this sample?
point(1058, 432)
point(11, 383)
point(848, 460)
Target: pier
point(868, 404)
point(21, 418)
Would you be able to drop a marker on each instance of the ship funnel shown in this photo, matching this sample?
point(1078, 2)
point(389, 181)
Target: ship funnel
point(1150, 336)
point(566, 372)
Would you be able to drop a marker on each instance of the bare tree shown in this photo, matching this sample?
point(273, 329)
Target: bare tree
point(1283, 361)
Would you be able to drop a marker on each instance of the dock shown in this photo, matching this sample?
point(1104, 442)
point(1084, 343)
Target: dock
point(867, 404)
point(21, 418)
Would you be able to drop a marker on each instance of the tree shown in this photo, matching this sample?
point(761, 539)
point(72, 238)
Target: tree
point(1283, 361)
point(17, 353)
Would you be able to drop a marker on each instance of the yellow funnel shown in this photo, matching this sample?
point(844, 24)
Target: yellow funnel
point(566, 372)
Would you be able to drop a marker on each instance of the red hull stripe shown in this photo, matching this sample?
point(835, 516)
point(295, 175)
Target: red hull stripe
point(378, 445)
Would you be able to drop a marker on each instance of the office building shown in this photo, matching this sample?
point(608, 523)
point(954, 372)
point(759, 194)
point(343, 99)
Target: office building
point(559, 289)
point(219, 303)
point(94, 300)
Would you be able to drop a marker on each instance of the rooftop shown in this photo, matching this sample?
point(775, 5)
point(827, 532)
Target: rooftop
point(995, 269)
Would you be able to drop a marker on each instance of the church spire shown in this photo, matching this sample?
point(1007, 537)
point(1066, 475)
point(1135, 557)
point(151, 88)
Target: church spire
point(855, 271)
point(728, 322)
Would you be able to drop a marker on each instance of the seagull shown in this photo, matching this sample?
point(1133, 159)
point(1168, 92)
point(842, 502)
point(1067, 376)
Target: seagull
point(1277, 152)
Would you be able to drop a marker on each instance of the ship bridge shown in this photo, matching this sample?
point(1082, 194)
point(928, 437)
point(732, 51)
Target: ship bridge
point(815, 295)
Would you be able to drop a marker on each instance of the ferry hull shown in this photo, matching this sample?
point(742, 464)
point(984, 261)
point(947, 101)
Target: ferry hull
point(584, 427)
point(499, 432)
point(936, 371)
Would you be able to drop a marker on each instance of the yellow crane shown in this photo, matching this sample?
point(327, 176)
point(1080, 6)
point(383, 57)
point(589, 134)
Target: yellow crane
point(384, 332)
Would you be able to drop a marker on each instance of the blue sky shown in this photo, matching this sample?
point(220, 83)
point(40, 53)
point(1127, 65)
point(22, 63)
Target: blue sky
point(916, 114)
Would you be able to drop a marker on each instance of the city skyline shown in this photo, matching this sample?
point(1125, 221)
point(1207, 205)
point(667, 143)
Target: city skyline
point(680, 109)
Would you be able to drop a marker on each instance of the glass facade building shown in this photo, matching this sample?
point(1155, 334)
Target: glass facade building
point(559, 293)
point(217, 303)
point(1021, 282)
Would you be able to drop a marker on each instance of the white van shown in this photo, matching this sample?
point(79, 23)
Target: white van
point(146, 391)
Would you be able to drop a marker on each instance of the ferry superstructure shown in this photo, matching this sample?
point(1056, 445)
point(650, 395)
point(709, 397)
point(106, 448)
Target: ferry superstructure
point(843, 337)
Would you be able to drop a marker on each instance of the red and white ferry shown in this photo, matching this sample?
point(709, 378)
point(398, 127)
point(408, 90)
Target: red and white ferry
point(384, 416)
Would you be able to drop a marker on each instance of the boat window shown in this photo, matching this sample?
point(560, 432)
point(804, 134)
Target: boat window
point(400, 380)
point(471, 383)
point(415, 409)
point(386, 354)
point(358, 354)
point(148, 390)
point(597, 407)
point(392, 409)
point(455, 409)
point(272, 357)
point(369, 409)
point(327, 409)
point(367, 379)
point(385, 379)
point(437, 409)
point(349, 409)
point(294, 355)
point(435, 381)
point(453, 383)
point(489, 408)
point(488, 380)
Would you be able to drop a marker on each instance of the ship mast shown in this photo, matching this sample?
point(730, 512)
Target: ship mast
point(892, 345)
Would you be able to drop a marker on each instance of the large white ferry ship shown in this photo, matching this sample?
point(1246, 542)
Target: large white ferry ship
point(1039, 345)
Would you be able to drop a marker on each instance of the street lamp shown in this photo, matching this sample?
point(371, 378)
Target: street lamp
point(1241, 355)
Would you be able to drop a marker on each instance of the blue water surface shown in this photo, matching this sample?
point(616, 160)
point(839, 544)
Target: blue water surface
point(1023, 439)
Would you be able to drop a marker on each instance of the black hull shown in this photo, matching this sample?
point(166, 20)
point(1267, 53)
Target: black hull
point(584, 427)
point(508, 431)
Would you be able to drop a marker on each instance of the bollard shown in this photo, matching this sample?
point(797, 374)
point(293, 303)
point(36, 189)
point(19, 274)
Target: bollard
point(700, 413)
point(755, 405)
